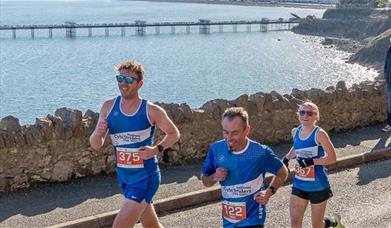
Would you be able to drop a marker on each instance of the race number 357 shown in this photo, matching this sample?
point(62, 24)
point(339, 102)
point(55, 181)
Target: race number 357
point(129, 158)
point(234, 210)
point(306, 174)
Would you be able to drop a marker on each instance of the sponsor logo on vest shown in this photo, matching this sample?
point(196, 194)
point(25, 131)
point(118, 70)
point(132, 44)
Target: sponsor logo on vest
point(242, 190)
point(130, 137)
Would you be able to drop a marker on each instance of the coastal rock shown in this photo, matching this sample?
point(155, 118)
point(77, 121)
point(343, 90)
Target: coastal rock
point(62, 171)
point(46, 125)
point(58, 149)
point(72, 120)
point(10, 124)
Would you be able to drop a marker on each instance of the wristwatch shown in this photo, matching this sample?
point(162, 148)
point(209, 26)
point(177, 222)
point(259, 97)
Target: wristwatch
point(273, 189)
point(160, 148)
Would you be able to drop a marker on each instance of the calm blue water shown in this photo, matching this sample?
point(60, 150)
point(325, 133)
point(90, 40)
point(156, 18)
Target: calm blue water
point(38, 76)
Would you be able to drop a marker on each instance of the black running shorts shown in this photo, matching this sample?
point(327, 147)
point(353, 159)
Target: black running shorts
point(313, 197)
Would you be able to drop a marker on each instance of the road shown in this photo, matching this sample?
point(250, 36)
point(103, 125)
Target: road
point(53, 203)
point(361, 195)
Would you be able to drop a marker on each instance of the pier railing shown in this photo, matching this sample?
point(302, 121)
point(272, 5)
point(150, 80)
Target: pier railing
point(140, 26)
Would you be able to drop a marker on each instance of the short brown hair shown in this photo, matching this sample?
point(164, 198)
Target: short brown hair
point(131, 66)
point(233, 112)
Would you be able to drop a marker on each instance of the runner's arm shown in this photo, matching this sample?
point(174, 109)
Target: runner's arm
point(292, 153)
point(208, 181)
point(97, 137)
point(324, 140)
point(160, 118)
point(278, 180)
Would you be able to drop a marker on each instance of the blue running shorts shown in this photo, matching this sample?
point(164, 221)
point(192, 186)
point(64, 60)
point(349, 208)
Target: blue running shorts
point(144, 189)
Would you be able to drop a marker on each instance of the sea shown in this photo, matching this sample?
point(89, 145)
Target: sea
point(40, 75)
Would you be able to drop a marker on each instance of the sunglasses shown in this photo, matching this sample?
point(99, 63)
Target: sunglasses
point(128, 80)
point(309, 113)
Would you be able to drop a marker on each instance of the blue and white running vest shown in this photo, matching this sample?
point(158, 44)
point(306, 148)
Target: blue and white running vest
point(313, 178)
point(246, 174)
point(128, 133)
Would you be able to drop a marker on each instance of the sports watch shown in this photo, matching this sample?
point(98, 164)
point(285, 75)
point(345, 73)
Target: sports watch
point(273, 189)
point(160, 148)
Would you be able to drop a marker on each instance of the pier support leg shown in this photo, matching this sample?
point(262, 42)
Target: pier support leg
point(188, 29)
point(13, 33)
point(70, 32)
point(205, 26)
point(89, 32)
point(106, 32)
point(235, 28)
point(122, 31)
point(50, 33)
point(140, 28)
point(221, 28)
point(263, 27)
point(249, 28)
point(157, 30)
point(172, 29)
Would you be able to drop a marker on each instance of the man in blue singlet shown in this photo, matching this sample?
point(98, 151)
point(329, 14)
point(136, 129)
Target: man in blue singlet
point(131, 121)
point(240, 164)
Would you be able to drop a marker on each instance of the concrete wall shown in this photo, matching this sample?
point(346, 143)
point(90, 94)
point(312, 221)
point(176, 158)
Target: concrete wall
point(56, 148)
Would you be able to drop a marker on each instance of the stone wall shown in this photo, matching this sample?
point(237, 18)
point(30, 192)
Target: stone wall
point(56, 148)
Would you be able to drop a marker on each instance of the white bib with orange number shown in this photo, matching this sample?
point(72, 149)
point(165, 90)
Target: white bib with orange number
point(234, 211)
point(305, 174)
point(129, 158)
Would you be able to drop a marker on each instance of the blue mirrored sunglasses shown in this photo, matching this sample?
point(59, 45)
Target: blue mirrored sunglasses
point(309, 113)
point(128, 80)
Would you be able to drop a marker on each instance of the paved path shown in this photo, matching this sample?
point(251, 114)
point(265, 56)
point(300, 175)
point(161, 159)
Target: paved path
point(49, 204)
point(361, 195)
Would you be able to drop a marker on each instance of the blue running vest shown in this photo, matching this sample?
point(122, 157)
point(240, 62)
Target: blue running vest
point(128, 133)
point(313, 178)
point(246, 174)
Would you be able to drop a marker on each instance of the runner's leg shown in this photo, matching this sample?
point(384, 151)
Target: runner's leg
point(129, 214)
point(297, 207)
point(149, 218)
point(317, 214)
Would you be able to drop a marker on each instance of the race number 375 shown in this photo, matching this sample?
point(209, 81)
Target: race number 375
point(234, 210)
point(129, 158)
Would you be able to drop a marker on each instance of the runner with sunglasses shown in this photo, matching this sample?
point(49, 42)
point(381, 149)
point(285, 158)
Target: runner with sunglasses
point(130, 122)
point(313, 150)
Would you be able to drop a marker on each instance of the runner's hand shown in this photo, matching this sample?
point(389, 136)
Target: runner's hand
point(262, 197)
point(305, 162)
point(147, 152)
point(220, 174)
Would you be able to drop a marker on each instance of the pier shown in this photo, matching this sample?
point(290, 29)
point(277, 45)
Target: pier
point(139, 27)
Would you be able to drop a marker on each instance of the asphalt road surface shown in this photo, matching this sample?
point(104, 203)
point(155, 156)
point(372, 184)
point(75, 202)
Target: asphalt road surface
point(362, 196)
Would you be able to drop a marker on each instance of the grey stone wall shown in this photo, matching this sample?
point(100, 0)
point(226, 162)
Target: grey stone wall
point(56, 148)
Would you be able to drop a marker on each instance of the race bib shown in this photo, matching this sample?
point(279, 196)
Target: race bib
point(305, 174)
point(129, 158)
point(234, 211)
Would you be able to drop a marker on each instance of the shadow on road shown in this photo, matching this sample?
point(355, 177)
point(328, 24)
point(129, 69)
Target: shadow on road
point(367, 174)
point(47, 197)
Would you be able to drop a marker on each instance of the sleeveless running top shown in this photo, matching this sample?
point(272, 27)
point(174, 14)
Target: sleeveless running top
point(128, 133)
point(313, 178)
